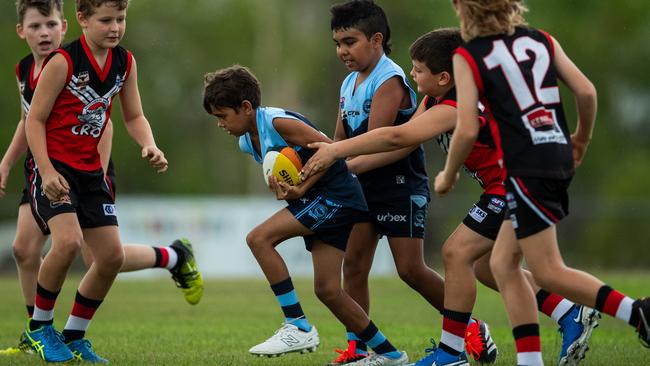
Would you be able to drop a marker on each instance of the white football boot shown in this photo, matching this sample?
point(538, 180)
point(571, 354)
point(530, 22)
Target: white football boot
point(375, 359)
point(287, 339)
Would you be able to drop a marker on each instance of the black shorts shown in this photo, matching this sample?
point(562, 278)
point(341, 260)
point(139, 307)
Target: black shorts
point(535, 204)
point(486, 216)
point(399, 218)
point(330, 221)
point(91, 197)
point(110, 180)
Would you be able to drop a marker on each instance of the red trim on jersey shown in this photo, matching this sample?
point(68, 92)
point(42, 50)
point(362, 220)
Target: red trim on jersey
point(528, 344)
point(472, 64)
point(425, 100)
point(33, 80)
point(449, 102)
point(550, 42)
point(534, 201)
point(107, 65)
point(496, 136)
point(129, 62)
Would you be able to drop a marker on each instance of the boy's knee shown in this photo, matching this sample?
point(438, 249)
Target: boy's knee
point(68, 245)
point(26, 252)
point(408, 273)
point(111, 263)
point(355, 270)
point(547, 276)
point(255, 241)
point(327, 291)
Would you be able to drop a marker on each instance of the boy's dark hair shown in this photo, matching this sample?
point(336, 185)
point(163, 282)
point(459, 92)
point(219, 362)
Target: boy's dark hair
point(436, 49)
point(44, 7)
point(230, 87)
point(87, 7)
point(363, 15)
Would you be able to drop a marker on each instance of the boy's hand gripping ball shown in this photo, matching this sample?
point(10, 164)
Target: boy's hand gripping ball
point(284, 164)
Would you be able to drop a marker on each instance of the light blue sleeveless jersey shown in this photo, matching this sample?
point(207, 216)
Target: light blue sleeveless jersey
point(405, 177)
point(337, 184)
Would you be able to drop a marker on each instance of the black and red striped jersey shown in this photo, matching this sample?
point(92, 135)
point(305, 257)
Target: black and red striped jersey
point(26, 81)
point(517, 83)
point(483, 162)
point(79, 115)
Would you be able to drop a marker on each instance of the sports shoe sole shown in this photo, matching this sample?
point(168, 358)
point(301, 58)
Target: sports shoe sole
point(309, 349)
point(577, 350)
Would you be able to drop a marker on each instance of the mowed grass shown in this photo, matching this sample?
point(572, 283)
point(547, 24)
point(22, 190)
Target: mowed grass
point(149, 323)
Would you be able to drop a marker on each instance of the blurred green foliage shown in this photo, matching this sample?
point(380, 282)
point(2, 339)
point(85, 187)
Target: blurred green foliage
point(287, 43)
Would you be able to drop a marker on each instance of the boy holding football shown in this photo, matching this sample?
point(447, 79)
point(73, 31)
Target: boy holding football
point(322, 210)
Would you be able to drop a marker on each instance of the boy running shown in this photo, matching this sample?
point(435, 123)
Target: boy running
point(466, 252)
point(513, 70)
point(322, 209)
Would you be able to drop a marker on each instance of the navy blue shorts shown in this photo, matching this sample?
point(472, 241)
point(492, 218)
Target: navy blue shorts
point(486, 216)
point(331, 222)
point(399, 218)
point(92, 197)
point(535, 204)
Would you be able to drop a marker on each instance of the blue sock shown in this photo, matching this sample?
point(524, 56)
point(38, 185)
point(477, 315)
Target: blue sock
point(360, 346)
point(291, 308)
point(378, 342)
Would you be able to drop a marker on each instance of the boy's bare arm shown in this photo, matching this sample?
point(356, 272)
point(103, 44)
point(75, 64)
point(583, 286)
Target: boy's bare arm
point(585, 97)
point(51, 82)
point(137, 124)
point(424, 127)
point(467, 126)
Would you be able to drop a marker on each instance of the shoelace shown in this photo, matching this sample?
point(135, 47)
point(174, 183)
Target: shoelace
point(349, 354)
point(474, 344)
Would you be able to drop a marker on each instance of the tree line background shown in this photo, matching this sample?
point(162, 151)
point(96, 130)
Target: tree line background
point(288, 44)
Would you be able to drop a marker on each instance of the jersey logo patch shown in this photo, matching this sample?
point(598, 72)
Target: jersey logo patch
point(477, 214)
point(109, 210)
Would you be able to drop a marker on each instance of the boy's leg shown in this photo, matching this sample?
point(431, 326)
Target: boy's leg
point(327, 262)
point(108, 257)
point(178, 258)
point(28, 250)
point(408, 254)
point(357, 262)
point(517, 295)
point(545, 262)
point(262, 241)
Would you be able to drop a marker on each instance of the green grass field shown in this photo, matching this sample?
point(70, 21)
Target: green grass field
point(149, 323)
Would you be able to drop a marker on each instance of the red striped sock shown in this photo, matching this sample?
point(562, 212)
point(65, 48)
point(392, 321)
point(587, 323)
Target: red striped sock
point(454, 326)
point(83, 311)
point(553, 305)
point(43, 306)
point(527, 341)
point(614, 303)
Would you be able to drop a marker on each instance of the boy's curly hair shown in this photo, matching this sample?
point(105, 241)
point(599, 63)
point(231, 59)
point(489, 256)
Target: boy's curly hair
point(87, 7)
point(230, 87)
point(490, 17)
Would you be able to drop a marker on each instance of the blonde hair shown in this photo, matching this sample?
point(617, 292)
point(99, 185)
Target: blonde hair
point(489, 17)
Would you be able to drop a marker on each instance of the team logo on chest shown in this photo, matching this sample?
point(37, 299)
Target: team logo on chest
point(94, 113)
point(93, 118)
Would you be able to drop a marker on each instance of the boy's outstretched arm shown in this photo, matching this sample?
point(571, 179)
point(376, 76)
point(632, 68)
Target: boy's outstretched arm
point(50, 83)
point(586, 101)
point(467, 126)
point(137, 124)
point(424, 127)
